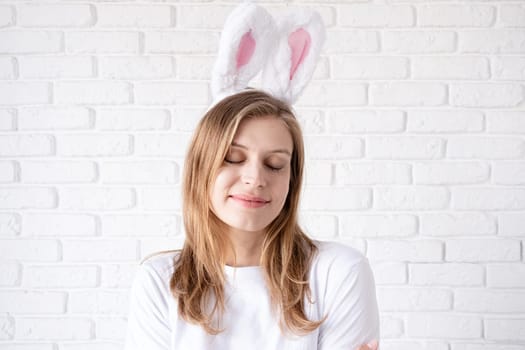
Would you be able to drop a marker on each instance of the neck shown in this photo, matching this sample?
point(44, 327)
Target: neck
point(247, 247)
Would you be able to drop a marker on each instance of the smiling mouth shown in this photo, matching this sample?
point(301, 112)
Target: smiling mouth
point(249, 201)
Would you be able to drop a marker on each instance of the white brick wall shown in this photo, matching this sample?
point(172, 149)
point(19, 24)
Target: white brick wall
point(415, 131)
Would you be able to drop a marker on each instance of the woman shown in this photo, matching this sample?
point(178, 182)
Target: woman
point(248, 276)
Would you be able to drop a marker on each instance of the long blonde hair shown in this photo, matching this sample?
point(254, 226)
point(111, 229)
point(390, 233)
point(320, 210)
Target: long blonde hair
point(198, 280)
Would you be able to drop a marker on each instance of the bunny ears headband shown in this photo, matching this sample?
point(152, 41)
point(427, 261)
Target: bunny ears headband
point(285, 51)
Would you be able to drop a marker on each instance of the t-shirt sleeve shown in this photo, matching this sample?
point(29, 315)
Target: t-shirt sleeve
point(351, 307)
point(148, 317)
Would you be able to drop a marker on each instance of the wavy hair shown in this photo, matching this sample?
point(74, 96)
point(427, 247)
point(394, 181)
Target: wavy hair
point(198, 280)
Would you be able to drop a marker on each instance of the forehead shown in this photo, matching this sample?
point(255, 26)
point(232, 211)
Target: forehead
point(264, 133)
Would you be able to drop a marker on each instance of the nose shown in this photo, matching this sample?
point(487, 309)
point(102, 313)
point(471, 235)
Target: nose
point(253, 174)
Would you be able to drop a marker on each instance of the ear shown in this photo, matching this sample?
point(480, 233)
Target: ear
point(246, 40)
point(292, 65)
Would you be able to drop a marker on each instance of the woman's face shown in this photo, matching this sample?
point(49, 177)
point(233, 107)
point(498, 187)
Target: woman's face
point(252, 185)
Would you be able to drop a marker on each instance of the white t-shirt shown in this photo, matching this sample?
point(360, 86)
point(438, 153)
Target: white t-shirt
point(342, 287)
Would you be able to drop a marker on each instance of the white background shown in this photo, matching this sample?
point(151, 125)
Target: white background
point(414, 122)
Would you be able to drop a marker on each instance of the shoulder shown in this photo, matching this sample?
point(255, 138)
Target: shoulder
point(337, 253)
point(157, 269)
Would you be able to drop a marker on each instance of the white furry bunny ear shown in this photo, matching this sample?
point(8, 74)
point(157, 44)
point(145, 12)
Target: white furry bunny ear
point(246, 40)
point(290, 68)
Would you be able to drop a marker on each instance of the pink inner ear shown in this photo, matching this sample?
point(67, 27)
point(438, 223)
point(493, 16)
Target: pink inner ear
point(246, 49)
point(299, 42)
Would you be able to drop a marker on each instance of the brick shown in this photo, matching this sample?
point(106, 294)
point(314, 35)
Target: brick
point(408, 93)
point(333, 147)
point(70, 328)
point(455, 15)
point(53, 276)
point(443, 325)
point(368, 173)
point(485, 198)
point(92, 92)
point(7, 120)
point(8, 172)
point(506, 275)
point(50, 172)
point(388, 273)
point(134, 16)
point(160, 198)
point(59, 225)
point(449, 274)
point(411, 198)
point(391, 327)
point(378, 225)
point(508, 173)
point(505, 329)
point(327, 13)
point(454, 173)
point(92, 345)
point(494, 41)
point(7, 66)
point(482, 250)
point(139, 172)
point(195, 67)
point(486, 95)
point(366, 122)
point(55, 67)
point(336, 198)
point(140, 225)
point(489, 301)
point(28, 346)
point(404, 147)
point(132, 119)
point(319, 225)
point(208, 16)
point(38, 42)
point(508, 68)
point(102, 42)
point(334, 94)
point(11, 272)
point(7, 327)
point(172, 145)
point(118, 275)
point(450, 68)
point(410, 42)
point(351, 41)
point(436, 121)
point(135, 67)
point(99, 198)
point(31, 302)
point(457, 224)
point(186, 119)
point(26, 145)
point(413, 345)
point(401, 299)
point(463, 346)
point(28, 250)
point(318, 173)
point(94, 145)
point(369, 68)
point(103, 250)
point(48, 118)
point(28, 198)
point(9, 225)
point(473, 147)
point(6, 16)
point(19, 93)
point(509, 122)
point(512, 15)
point(511, 224)
point(172, 93)
point(409, 251)
point(98, 302)
point(55, 15)
point(181, 42)
point(111, 328)
point(154, 245)
point(372, 15)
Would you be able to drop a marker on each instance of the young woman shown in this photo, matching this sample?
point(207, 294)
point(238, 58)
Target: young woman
point(248, 277)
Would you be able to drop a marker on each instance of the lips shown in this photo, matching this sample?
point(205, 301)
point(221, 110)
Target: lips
point(249, 201)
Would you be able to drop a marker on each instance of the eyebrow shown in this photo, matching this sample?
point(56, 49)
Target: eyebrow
point(279, 150)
